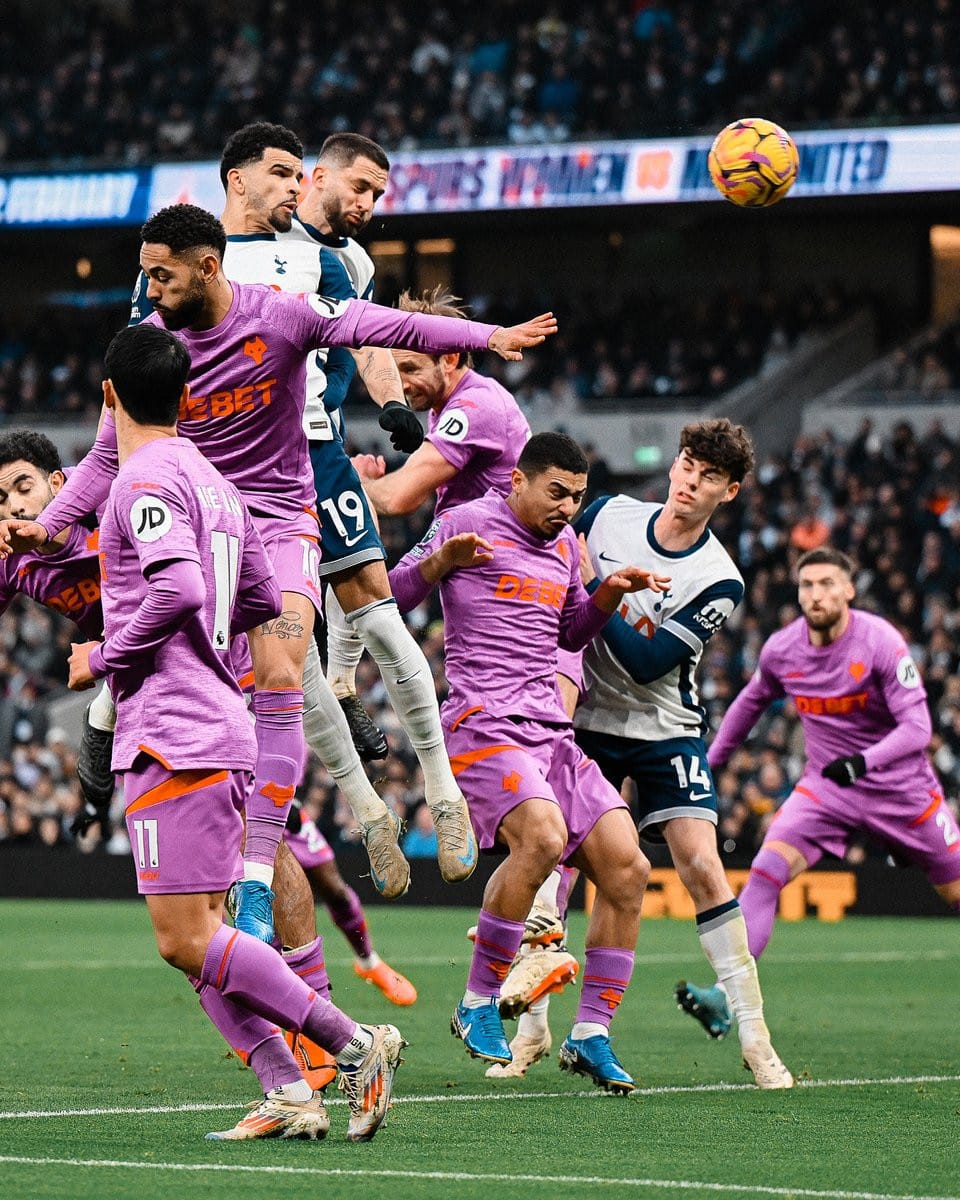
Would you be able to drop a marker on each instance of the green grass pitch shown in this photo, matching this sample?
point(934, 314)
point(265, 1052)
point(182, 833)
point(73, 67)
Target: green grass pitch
point(110, 1075)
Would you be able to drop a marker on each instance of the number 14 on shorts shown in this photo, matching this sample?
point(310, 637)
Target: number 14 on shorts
point(693, 775)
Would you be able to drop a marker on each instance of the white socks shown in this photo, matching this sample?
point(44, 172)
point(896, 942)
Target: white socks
point(408, 679)
point(724, 942)
point(102, 714)
point(326, 730)
point(344, 647)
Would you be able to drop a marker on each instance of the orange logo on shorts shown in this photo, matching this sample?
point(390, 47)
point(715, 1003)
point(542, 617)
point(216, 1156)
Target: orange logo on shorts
point(511, 782)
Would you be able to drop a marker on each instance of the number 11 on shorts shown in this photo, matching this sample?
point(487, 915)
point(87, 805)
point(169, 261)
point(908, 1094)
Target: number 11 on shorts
point(147, 848)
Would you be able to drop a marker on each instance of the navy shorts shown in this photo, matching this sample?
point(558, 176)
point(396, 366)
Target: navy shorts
point(672, 776)
point(348, 532)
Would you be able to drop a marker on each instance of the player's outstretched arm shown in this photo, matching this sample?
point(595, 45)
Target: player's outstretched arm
point(378, 370)
point(324, 322)
point(461, 550)
point(509, 341)
point(744, 712)
point(395, 493)
point(417, 573)
point(628, 579)
point(16, 537)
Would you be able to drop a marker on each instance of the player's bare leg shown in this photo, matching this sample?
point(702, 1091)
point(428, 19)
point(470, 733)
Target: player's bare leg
point(364, 594)
point(346, 912)
point(950, 892)
point(192, 937)
point(543, 965)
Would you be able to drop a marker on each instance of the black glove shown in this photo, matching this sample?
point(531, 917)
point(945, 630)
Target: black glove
point(88, 816)
point(403, 425)
point(845, 771)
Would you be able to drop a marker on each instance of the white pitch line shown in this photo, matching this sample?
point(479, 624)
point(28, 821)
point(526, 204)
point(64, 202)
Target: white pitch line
point(852, 956)
point(492, 1097)
point(472, 1177)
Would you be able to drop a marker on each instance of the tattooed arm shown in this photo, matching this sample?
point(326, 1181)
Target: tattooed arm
point(379, 373)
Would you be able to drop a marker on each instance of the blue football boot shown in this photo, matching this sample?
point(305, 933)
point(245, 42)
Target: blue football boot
point(594, 1057)
point(708, 1005)
point(250, 903)
point(481, 1031)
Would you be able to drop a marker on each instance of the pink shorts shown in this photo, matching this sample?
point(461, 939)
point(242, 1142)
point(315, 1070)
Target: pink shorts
point(820, 818)
point(309, 847)
point(185, 827)
point(295, 555)
point(499, 763)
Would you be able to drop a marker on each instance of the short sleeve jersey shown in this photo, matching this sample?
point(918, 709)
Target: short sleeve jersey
point(480, 430)
point(304, 260)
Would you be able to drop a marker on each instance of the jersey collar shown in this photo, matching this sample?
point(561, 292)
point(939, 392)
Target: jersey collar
point(655, 545)
point(326, 239)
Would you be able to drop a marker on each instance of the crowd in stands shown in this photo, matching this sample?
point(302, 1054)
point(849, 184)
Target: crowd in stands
point(929, 367)
point(664, 348)
point(124, 84)
point(892, 503)
point(39, 793)
point(648, 346)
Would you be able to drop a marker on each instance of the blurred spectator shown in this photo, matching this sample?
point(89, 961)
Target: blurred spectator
point(421, 838)
point(811, 530)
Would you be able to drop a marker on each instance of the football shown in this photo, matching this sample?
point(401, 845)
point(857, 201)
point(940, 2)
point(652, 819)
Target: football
point(753, 162)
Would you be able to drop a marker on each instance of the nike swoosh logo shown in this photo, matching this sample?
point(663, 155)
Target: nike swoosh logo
point(407, 678)
point(606, 558)
point(699, 796)
point(352, 541)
